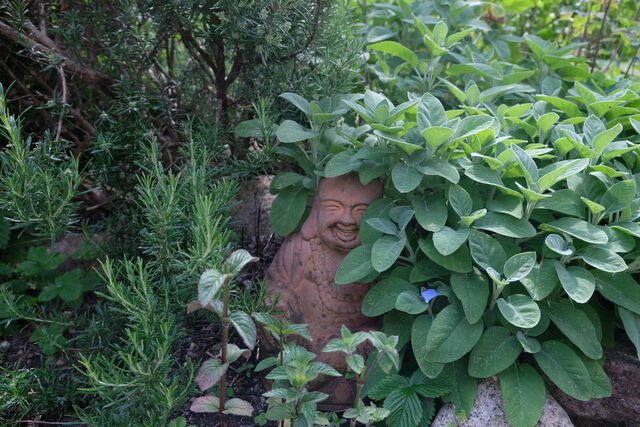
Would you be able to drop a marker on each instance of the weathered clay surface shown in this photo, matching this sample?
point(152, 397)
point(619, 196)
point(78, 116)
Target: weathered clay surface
point(252, 215)
point(488, 410)
point(304, 268)
point(623, 407)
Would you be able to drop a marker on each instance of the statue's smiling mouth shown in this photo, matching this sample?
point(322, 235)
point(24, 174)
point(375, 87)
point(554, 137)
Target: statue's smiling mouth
point(345, 233)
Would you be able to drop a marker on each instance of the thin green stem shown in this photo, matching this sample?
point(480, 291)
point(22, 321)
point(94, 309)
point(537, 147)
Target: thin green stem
point(223, 357)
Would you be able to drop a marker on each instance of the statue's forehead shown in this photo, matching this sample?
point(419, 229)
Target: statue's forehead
point(347, 194)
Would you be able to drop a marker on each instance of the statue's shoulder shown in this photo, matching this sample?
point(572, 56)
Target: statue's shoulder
point(289, 263)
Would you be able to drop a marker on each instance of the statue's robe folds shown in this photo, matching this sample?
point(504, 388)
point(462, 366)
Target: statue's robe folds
point(302, 273)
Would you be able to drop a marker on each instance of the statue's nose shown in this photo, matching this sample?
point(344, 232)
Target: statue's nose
point(347, 218)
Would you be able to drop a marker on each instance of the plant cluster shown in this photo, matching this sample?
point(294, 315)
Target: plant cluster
point(506, 241)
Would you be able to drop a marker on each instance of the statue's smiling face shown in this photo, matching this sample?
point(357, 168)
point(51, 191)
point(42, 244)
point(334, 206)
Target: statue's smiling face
point(342, 203)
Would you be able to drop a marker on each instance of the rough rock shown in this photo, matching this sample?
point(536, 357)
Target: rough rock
point(623, 407)
point(488, 410)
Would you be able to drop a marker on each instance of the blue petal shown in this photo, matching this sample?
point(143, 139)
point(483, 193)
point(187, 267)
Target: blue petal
point(429, 294)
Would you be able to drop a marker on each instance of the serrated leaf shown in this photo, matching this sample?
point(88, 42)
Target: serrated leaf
point(237, 260)
point(245, 327)
point(206, 404)
point(234, 353)
point(210, 373)
point(239, 407)
point(210, 283)
point(355, 362)
point(404, 408)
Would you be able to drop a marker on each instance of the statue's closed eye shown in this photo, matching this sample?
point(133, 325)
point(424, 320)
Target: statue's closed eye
point(331, 206)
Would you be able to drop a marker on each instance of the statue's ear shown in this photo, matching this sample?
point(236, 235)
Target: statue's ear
point(309, 229)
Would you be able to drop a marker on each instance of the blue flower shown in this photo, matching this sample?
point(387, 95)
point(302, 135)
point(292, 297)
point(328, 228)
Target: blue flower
point(429, 294)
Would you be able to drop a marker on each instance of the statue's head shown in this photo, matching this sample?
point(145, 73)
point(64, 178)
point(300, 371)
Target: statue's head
point(338, 209)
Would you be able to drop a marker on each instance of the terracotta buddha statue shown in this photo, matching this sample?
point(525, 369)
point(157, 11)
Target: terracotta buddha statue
point(303, 272)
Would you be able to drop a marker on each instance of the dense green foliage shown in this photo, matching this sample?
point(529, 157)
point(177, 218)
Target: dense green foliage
point(505, 133)
point(510, 191)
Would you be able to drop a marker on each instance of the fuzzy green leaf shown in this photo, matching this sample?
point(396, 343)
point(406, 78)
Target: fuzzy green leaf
point(496, 350)
point(523, 392)
point(565, 368)
point(519, 310)
point(451, 336)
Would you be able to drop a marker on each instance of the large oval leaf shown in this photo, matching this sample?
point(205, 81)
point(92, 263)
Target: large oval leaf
point(385, 252)
point(486, 251)
point(505, 225)
point(496, 350)
point(383, 295)
point(355, 266)
point(523, 392)
point(619, 288)
point(603, 259)
point(448, 240)
point(576, 325)
point(459, 261)
point(541, 281)
point(431, 213)
point(473, 291)
point(519, 266)
point(405, 178)
point(578, 282)
point(577, 228)
point(565, 368)
point(287, 210)
point(520, 310)
point(419, 332)
point(451, 336)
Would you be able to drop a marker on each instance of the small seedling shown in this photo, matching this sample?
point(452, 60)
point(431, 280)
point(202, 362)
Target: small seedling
point(213, 371)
